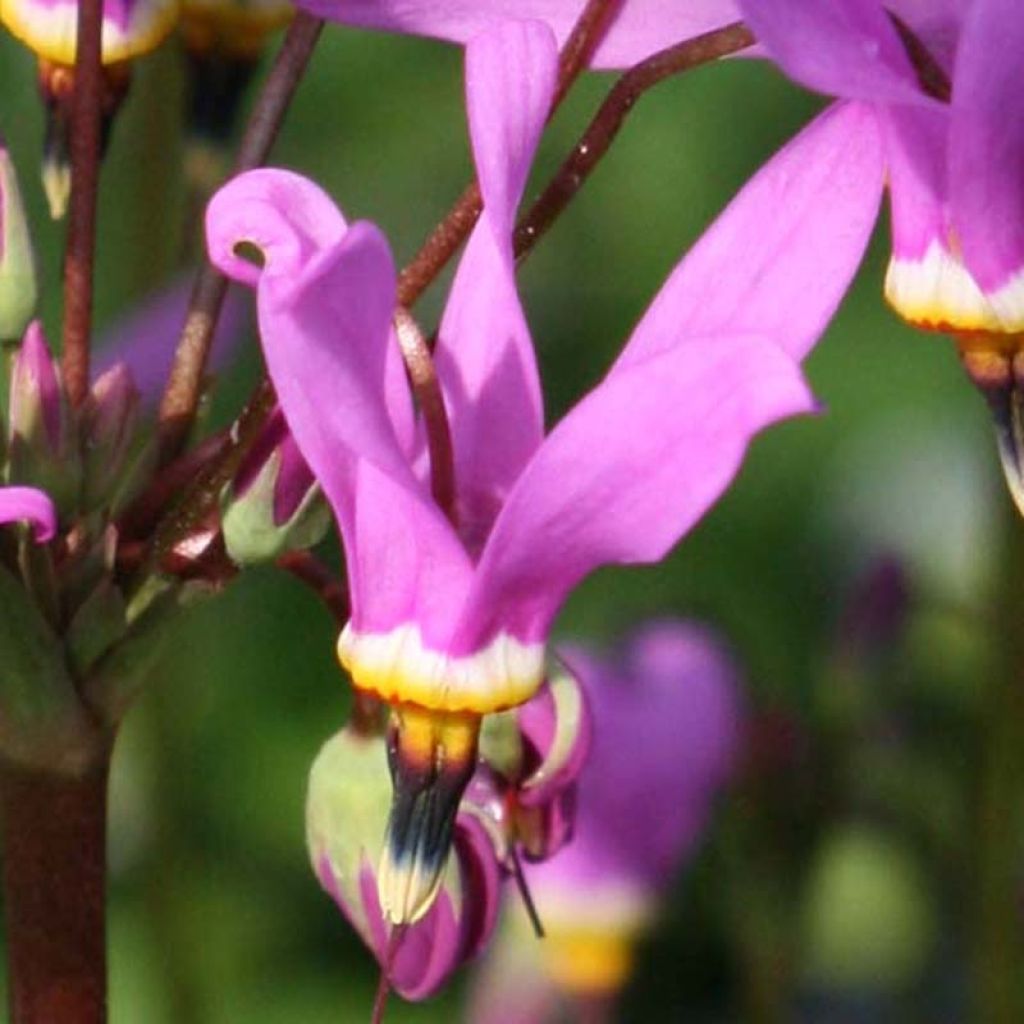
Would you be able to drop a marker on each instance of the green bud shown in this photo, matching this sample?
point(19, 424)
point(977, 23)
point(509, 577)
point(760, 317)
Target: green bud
point(255, 531)
point(18, 289)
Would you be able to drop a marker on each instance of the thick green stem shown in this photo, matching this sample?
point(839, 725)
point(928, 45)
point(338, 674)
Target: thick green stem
point(55, 893)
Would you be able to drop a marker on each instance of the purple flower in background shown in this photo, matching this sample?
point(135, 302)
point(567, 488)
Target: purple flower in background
point(638, 29)
point(449, 620)
point(666, 728)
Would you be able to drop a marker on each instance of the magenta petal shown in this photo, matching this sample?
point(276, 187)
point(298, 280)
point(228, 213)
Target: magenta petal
point(326, 299)
point(845, 48)
point(29, 505)
point(484, 354)
point(641, 28)
point(630, 469)
point(986, 158)
point(779, 259)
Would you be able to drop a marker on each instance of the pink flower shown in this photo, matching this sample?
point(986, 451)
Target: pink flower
point(450, 620)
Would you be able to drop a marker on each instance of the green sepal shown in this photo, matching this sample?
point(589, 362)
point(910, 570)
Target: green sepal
point(250, 534)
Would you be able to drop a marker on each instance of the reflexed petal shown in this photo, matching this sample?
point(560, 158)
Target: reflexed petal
point(640, 29)
point(986, 155)
point(627, 472)
point(845, 48)
point(32, 506)
point(49, 27)
point(326, 297)
point(780, 257)
point(484, 354)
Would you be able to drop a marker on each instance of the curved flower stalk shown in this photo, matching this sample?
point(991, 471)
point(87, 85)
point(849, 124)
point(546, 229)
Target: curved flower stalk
point(451, 607)
point(953, 170)
point(640, 28)
point(131, 28)
point(669, 695)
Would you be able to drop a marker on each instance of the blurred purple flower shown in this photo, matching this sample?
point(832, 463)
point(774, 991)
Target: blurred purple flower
point(666, 729)
point(144, 339)
point(638, 29)
point(454, 620)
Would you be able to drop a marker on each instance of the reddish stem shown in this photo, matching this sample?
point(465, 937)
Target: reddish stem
point(185, 384)
point(605, 126)
point(305, 566)
point(79, 257)
point(54, 894)
point(442, 242)
point(427, 388)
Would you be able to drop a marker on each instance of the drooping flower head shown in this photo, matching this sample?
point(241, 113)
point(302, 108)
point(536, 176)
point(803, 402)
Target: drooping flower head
point(953, 168)
point(49, 28)
point(450, 616)
point(669, 697)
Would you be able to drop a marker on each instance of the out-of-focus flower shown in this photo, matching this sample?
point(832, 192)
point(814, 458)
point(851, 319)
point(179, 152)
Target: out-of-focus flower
point(450, 617)
point(49, 28)
point(144, 338)
point(274, 504)
point(952, 168)
point(638, 29)
point(666, 726)
point(346, 815)
point(17, 260)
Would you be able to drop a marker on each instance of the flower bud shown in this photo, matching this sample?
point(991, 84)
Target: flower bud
point(17, 261)
point(109, 420)
point(346, 815)
point(274, 504)
point(42, 451)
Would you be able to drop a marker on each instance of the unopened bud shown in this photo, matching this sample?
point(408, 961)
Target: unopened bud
point(42, 452)
point(109, 419)
point(275, 504)
point(17, 261)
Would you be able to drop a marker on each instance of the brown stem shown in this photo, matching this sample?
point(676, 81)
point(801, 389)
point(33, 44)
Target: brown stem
point(442, 242)
point(184, 386)
point(54, 894)
point(305, 566)
point(79, 256)
point(427, 388)
point(602, 130)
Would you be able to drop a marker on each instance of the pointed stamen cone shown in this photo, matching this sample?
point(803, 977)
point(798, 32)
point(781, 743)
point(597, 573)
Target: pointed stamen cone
point(999, 376)
point(432, 756)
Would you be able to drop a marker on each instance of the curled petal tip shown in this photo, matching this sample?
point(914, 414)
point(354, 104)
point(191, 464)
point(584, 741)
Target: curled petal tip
point(30, 505)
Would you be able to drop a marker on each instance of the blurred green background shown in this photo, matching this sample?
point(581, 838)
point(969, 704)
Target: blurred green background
point(864, 864)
